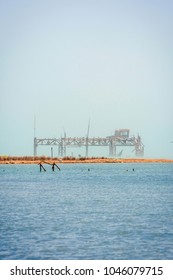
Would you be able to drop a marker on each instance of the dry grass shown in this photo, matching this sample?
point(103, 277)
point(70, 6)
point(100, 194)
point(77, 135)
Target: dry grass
point(38, 159)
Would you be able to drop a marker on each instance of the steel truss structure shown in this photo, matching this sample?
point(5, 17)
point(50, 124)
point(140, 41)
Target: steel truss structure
point(120, 138)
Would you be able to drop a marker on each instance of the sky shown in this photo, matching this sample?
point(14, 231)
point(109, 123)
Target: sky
point(67, 62)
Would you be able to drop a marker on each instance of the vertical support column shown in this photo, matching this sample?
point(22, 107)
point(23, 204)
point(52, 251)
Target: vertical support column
point(139, 147)
point(35, 146)
point(59, 149)
point(51, 152)
point(86, 155)
point(112, 148)
point(62, 148)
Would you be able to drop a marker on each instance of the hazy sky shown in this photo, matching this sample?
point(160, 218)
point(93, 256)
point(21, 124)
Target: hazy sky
point(65, 62)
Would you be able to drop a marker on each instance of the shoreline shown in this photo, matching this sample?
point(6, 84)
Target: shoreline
point(37, 160)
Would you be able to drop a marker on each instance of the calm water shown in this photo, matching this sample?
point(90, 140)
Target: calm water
point(104, 213)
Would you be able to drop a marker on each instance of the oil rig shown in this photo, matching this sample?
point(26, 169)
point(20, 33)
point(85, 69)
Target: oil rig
point(121, 137)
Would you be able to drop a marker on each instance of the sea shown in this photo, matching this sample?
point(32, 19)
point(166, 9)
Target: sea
point(121, 211)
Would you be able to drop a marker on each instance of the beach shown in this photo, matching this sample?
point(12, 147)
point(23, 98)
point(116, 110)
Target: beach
point(37, 160)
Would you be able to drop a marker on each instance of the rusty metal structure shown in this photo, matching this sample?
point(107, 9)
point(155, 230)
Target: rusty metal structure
point(121, 138)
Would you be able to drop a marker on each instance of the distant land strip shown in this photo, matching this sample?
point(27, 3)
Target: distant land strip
point(39, 159)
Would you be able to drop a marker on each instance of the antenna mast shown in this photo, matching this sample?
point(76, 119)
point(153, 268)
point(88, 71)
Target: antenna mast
point(35, 139)
point(34, 126)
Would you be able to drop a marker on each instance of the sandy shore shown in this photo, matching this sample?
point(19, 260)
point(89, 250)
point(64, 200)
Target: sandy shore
point(37, 160)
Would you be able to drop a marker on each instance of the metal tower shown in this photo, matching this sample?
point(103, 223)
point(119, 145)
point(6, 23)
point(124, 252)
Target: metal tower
point(120, 138)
